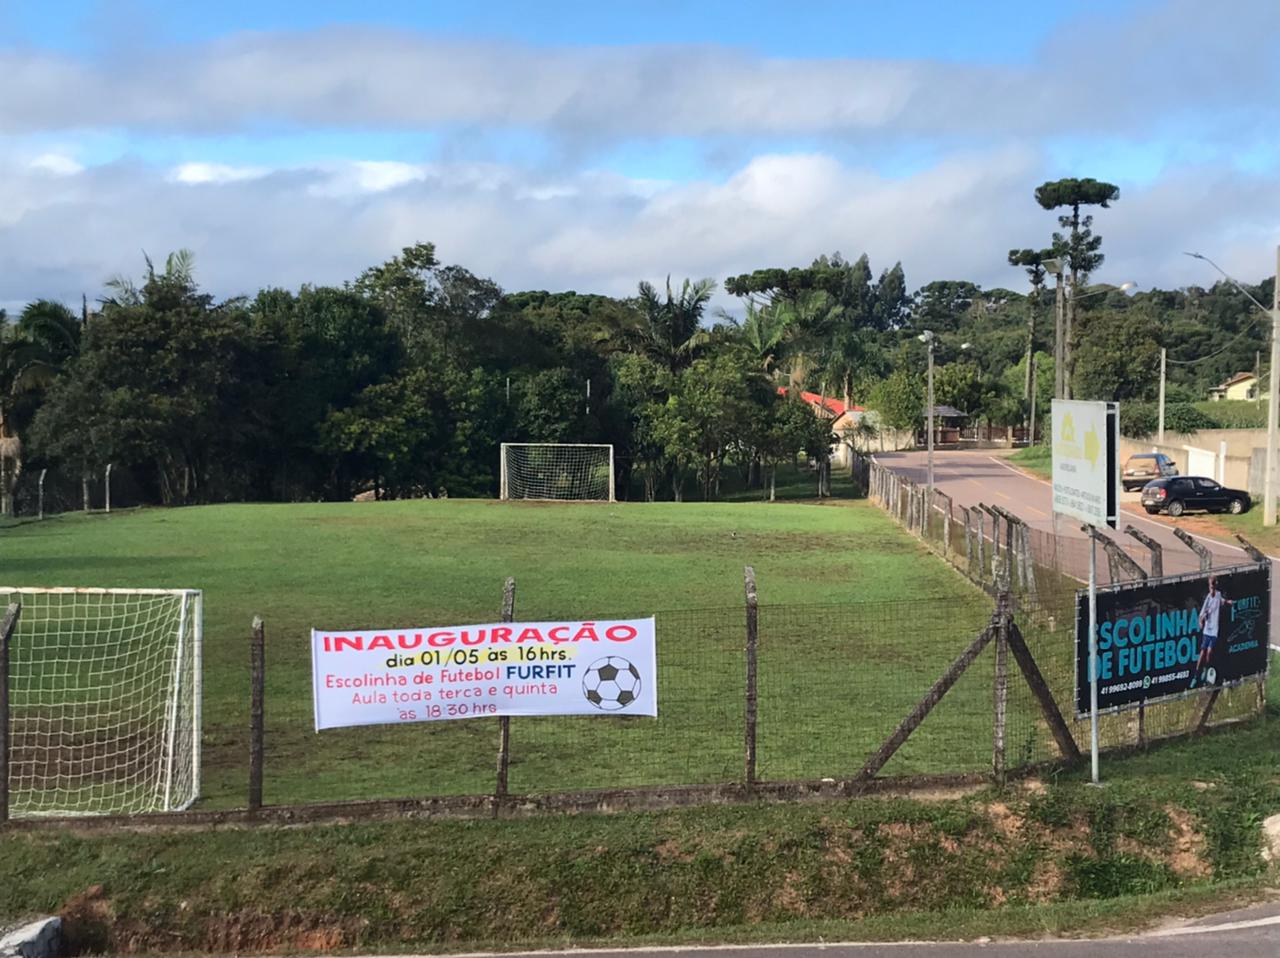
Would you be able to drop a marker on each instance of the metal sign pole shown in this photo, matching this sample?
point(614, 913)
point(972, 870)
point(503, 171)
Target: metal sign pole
point(1093, 655)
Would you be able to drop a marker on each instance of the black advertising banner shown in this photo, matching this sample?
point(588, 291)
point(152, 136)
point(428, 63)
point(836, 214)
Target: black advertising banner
point(1174, 636)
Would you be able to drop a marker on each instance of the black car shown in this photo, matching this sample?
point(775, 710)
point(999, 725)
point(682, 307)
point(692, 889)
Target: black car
point(1176, 494)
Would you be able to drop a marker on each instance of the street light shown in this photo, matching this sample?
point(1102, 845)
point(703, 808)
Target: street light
point(1273, 398)
point(1054, 266)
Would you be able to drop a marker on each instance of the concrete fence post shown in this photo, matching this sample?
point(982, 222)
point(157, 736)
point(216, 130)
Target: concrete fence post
point(257, 712)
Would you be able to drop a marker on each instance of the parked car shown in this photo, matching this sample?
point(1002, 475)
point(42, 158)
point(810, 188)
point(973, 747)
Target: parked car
point(1142, 467)
point(1176, 494)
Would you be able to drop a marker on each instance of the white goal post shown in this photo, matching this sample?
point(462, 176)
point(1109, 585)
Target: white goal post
point(580, 472)
point(104, 700)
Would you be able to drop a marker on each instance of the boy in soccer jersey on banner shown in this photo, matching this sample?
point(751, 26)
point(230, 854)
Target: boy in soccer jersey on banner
point(1209, 614)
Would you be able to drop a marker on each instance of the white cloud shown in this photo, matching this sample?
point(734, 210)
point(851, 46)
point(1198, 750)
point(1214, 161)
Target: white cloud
point(56, 164)
point(602, 232)
point(1134, 73)
point(200, 173)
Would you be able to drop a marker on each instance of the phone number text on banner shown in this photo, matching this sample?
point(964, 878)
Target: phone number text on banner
point(389, 676)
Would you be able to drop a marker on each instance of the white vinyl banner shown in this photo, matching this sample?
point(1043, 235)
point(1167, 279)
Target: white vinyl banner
point(1086, 477)
point(389, 676)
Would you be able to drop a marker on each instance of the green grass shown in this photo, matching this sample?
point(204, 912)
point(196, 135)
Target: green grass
point(1249, 525)
point(1037, 459)
point(1235, 413)
point(834, 678)
point(1176, 829)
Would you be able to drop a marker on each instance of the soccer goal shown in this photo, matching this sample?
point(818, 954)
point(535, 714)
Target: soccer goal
point(104, 701)
point(557, 471)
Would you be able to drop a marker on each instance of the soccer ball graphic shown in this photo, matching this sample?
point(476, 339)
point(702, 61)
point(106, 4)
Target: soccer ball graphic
point(1210, 676)
point(611, 683)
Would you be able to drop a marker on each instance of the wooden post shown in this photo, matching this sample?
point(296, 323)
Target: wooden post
point(1203, 724)
point(946, 522)
point(1003, 615)
point(6, 742)
point(504, 721)
point(925, 705)
point(1040, 689)
point(982, 543)
point(257, 723)
point(753, 638)
point(968, 538)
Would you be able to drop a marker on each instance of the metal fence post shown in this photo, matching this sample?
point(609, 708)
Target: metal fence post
point(40, 493)
point(257, 684)
point(753, 638)
point(6, 740)
point(504, 721)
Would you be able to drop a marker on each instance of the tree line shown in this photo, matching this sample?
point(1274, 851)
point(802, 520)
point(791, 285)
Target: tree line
point(405, 380)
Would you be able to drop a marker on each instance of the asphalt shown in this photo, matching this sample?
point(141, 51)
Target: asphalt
point(1248, 933)
point(971, 477)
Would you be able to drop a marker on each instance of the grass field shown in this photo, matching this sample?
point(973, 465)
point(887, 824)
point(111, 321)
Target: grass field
point(835, 677)
point(1036, 459)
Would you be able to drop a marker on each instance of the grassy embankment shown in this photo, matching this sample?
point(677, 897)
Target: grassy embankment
point(1174, 830)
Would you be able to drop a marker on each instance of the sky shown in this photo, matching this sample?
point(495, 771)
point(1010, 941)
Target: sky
point(563, 145)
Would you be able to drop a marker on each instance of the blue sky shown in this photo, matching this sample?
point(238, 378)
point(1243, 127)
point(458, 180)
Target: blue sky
point(560, 145)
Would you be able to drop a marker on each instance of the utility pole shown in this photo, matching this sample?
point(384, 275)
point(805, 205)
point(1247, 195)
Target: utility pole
point(1160, 427)
point(1273, 406)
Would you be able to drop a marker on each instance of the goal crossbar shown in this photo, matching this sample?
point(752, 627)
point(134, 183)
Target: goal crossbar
point(545, 471)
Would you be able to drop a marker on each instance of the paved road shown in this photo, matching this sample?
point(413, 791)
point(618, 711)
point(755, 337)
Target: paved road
point(973, 476)
point(1250, 933)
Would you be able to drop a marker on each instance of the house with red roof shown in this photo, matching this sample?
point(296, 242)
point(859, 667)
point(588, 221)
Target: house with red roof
point(844, 419)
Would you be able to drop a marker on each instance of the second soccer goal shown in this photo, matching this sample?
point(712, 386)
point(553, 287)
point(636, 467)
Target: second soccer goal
point(562, 471)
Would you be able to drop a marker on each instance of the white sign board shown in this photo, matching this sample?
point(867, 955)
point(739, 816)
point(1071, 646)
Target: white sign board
point(1086, 475)
point(390, 676)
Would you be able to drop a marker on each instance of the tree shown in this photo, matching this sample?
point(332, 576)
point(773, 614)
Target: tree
point(899, 400)
point(1118, 356)
point(671, 331)
point(1080, 247)
point(765, 330)
point(170, 371)
point(33, 352)
point(1033, 262)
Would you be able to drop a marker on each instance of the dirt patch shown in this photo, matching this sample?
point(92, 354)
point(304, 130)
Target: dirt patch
point(1007, 822)
point(1187, 858)
point(672, 851)
point(1046, 882)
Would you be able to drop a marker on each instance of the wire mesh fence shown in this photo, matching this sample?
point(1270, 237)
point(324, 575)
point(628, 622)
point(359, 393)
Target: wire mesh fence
point(1042, 571)
point(41, 493)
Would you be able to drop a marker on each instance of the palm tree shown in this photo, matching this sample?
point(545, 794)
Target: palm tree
point(179, 269)
point(766, 331)
point(671, 332)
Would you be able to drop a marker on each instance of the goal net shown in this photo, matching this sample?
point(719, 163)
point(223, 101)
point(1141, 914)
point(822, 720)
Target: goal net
point(557, 471)
point(104, 699)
